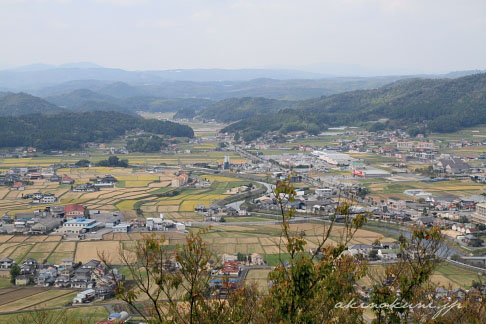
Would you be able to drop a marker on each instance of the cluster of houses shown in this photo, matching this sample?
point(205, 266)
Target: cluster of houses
point(215, 213)
point(95, 184)
point(19, 177)
point(162, 224)
point(37, 222)
point(92, 275)
point(395, 143)
point(320, 202)
point(76, 220)
point(42, 198)
point(379, 251)
point(231, 273)
point(72, 218)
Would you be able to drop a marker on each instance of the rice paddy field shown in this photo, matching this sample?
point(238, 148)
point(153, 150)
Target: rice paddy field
point(460, 188)
point(266, 240)
point(51, 249)
point(131, 187)
point(135, 190)
point(18, 299)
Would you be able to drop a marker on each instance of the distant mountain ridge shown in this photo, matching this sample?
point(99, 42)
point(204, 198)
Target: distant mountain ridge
point(216, 84)
point(87, 100)
point(268, 88)
point(42, 76)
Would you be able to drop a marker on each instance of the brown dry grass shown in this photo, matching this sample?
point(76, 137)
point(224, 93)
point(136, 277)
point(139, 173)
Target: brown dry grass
point(66, 247)
point(53, 238)
point(36, 238)
point(5, 238)
point(92, 250)
point(18, 239)
point(44, 247)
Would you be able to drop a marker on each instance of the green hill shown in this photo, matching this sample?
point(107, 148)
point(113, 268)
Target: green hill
point(440, 105)
point(86, 100)
point(233, 109)
point(153, 104)
point(67, 131)
point(17, 104)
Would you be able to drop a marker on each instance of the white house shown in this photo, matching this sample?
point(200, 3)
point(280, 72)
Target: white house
point(121, 228)
point(363, 249)
point(388, 254)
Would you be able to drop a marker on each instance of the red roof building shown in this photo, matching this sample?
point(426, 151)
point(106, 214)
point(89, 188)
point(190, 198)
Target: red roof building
point(34, 176)
point(67, 180)
point(74, 211)
point(231, 268)
point(19, 185)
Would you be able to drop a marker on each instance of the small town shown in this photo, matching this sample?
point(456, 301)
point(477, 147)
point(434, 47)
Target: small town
point(242, 162)
point(64, 209)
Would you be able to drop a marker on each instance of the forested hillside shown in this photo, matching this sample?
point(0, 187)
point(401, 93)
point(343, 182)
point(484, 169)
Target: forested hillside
point(153, 104)
point(16, 104)
point(230, 110)
point(81, 100)
point(443, 105)
point(70, 130)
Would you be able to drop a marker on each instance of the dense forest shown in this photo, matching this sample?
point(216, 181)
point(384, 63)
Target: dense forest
point(146, 144)
point(230, 110)
point(113, 161)
point(185, 113)
point(81, 100)
point(443, 105)
point(16, 104)
point(67, 131)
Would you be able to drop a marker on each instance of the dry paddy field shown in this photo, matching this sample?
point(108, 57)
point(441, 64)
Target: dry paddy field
point(266, 239)
point(132, 186)
point(446, 275)
point(86, 251)
point(20, 248)
point(259, 277)
point(17, 299)
point(113, 242)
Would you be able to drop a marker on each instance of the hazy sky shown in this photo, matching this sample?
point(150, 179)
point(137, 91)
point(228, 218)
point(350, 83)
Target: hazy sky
point(409, 35)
